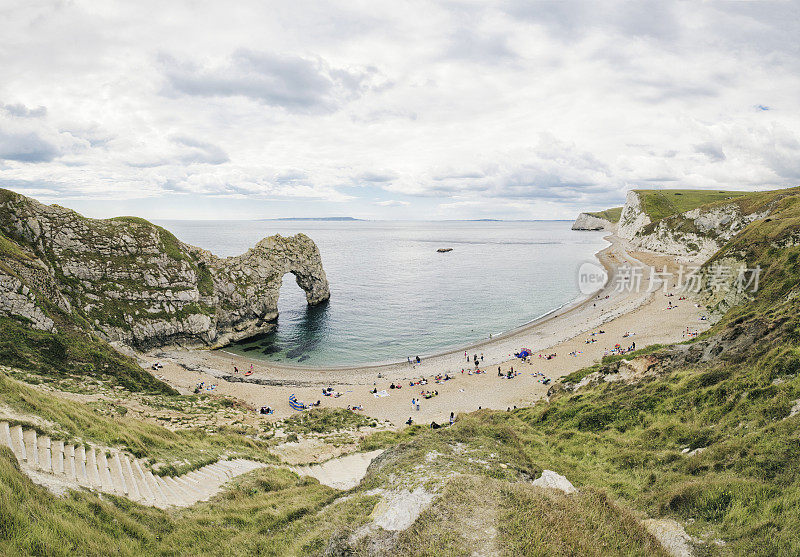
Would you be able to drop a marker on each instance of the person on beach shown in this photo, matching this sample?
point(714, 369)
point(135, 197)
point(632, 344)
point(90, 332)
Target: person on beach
point(235, 369)
point(409, 421)
point(452, 418)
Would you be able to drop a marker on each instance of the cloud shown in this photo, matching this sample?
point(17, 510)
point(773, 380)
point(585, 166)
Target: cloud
point(291, 82)
point(26, 147)
point(392, 203)
point(375, 177)
point(712, 151)
point(200, 151)
point(21, 111)
point(522, 108)
point(571, 20)
point(475, 46)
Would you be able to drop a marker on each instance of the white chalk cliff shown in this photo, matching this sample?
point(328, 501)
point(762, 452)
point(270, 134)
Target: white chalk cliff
point(696, 234)
point(585, 221)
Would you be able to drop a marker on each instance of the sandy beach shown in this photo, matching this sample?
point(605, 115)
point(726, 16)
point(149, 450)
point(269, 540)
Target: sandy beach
point(617, 311)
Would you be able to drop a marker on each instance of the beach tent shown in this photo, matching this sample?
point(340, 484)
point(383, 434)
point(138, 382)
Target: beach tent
point(523, 354)
point(294, 404)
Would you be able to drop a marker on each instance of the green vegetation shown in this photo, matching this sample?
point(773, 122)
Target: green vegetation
point(268, 512)
point(71, 353)
point(171, 452)
point(172, 246)
point(611, 215)
point(326, 420)
point(205, 281)
point(659, 204)
point(12, 250)
point(540, 522)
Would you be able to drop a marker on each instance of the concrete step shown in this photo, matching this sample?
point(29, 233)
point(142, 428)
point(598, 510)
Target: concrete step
point(69, 463)
point(18, 442)
point(171, 487)
point(203, 483)
point(130, 481)
point(192, 478)
point(145, 489)
point(57, 449)
point(45, 462)
point(31, 449)
point(117, 477)
point(80, 465)
point(113, 472)
point(5, 435)
point(92, 468)
point(211, 472)
point(156, 494)
point(106, 483)
point(159, 491)
point(189, 488)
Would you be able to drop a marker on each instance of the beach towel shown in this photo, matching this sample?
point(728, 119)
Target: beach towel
point(381, 394)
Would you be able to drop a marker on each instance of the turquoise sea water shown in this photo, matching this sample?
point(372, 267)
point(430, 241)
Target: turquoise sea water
point(394, 296)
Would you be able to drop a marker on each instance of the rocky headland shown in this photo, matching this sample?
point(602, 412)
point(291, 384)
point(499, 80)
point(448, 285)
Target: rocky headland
point(587, 221)
point(128, 280)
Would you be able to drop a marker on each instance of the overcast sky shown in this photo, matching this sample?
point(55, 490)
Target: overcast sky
point(392, 109)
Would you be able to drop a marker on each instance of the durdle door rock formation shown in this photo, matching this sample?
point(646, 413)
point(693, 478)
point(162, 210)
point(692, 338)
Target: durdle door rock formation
point(131, 281)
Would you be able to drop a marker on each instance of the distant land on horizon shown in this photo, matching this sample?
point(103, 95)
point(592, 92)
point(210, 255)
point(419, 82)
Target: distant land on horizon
point(314, 218)
point(353, 219)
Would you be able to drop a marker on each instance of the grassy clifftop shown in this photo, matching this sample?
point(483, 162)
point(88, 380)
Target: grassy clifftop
point(611, 215)
point(659, 204)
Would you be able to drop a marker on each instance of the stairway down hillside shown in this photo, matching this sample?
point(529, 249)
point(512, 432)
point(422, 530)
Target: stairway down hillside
point(60, 466)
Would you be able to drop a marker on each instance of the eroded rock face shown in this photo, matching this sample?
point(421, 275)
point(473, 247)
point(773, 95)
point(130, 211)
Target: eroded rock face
point(586, 221)
point(695, 235)
point(136, 283)
point(633, 218)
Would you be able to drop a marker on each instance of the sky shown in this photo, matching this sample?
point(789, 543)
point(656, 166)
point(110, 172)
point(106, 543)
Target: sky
point(392, 110)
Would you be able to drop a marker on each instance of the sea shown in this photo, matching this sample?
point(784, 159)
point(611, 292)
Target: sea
point(393, 296)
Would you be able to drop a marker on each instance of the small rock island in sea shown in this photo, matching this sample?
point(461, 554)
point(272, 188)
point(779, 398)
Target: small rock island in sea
point(134, 282)
point(444, 250)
